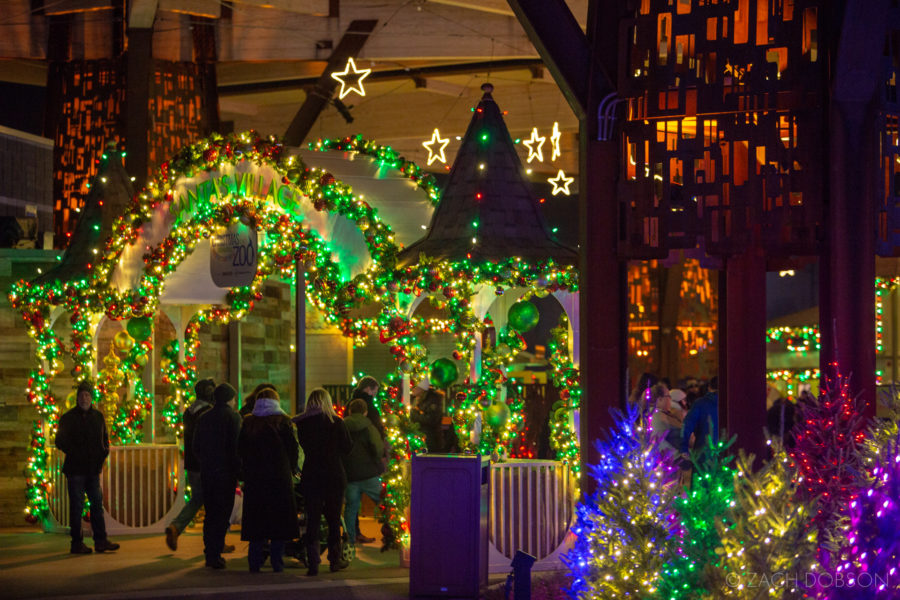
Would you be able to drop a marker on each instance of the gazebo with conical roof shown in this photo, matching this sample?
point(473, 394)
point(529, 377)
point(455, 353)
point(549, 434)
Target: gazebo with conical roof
point(488, 231)
point(488, 211)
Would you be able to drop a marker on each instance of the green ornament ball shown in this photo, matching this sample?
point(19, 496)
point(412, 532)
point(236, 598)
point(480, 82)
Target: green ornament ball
point(523, 316)
point(561, 415)
point(443, 372)
point(140, 328)
point(391, 420)
point(496, 415)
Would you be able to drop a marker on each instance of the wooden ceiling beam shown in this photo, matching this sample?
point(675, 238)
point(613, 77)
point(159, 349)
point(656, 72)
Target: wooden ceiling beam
point(354, 39)
point(562, 44)
point(385, 75)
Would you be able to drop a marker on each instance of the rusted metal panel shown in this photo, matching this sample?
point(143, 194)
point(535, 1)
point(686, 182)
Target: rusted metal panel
point(723, 134)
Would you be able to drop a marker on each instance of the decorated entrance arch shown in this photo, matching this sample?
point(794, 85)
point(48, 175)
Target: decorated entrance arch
point(303, 214)
point(213, 184)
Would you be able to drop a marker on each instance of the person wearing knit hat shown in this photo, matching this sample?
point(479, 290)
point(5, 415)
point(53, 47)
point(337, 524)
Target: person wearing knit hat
point(81, 435)
point(215, 447)
point(203, 391)
point(679, 401)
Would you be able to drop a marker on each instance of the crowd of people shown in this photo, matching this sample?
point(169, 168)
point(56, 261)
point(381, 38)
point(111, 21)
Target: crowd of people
point(312, 467)
point(685, 417)
point(323, 462)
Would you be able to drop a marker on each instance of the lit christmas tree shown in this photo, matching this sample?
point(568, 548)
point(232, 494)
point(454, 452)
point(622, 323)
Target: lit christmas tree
point(624, 526)
point(883, 431)
point(687, 573)
point(868, 562)
point(829, 454)
point(767, 537)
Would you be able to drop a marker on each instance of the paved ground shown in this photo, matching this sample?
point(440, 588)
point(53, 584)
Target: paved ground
point(38, 565)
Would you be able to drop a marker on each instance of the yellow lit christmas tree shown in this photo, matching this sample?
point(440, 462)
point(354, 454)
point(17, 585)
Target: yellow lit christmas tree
point(768, 541)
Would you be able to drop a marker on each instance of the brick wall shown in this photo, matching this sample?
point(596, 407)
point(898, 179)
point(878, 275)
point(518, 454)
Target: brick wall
point(16, 414)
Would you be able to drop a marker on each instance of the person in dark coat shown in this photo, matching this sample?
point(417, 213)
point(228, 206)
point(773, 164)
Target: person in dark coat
point(428, 413)
point(366, 390)
point(780, 421)
point(82, 435)
point(268, 449)
point(324, 439)
point(215, 447)
point(204, 400)
point(702, 421)
point(250, 400)
point(363, 466)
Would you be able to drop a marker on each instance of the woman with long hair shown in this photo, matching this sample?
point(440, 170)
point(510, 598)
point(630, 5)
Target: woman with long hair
point(324, 439)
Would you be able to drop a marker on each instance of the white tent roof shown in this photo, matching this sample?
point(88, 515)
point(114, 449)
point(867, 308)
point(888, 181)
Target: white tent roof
point(398, 200)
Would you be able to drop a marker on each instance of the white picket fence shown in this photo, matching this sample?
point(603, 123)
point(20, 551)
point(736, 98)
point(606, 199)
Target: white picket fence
point(532, 501)
point(532, 507)
point(140, 488)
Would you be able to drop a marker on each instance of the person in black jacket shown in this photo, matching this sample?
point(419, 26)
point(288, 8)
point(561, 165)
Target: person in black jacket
point(204, 400)
point(324, 439)
point(428, 414)
point(366, 390)
point(215, 447)
point(363, 466)
point(268, 449)
point(82, 435)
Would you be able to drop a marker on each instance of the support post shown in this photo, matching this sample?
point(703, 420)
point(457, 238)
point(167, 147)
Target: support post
point(300, 338)
point(235, 358)
point(847, 266)
point(137, 103)
point(742, 350)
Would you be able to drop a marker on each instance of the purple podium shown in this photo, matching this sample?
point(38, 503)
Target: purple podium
point(449, 524)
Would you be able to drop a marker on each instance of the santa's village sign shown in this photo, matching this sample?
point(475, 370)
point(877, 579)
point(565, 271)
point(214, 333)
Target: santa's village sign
point(234, 250)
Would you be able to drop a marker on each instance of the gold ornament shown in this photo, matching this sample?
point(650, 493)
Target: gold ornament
point(123, 341)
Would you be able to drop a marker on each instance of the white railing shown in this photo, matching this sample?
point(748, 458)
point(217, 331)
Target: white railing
point(532, 506)
point(140, 488)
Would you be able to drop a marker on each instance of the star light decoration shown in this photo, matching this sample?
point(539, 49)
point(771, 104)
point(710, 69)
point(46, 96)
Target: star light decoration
point(535, 145)
point(354, 75)
point(561, 183)
point(441, 144)
point(554, 141)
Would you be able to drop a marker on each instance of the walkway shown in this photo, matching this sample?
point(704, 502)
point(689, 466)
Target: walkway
point(38, 565)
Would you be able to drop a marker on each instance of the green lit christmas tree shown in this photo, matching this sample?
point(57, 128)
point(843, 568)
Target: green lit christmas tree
point(688, 574)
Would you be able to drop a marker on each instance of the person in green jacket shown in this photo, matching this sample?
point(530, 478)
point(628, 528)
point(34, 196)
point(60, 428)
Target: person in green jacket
point(362, 464)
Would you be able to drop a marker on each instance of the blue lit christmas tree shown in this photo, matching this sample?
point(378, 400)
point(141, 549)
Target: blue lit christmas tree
point(624, 528)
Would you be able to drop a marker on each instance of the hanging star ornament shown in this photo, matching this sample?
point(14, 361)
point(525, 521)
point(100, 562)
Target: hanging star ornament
point(441, 145)
point(354, 78)
point(554, 142)
point(534, 145)
point(561, 183)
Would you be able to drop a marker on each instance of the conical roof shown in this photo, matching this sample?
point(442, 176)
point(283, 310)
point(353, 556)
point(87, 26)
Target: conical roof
point(110, 193)
point(488, 211)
